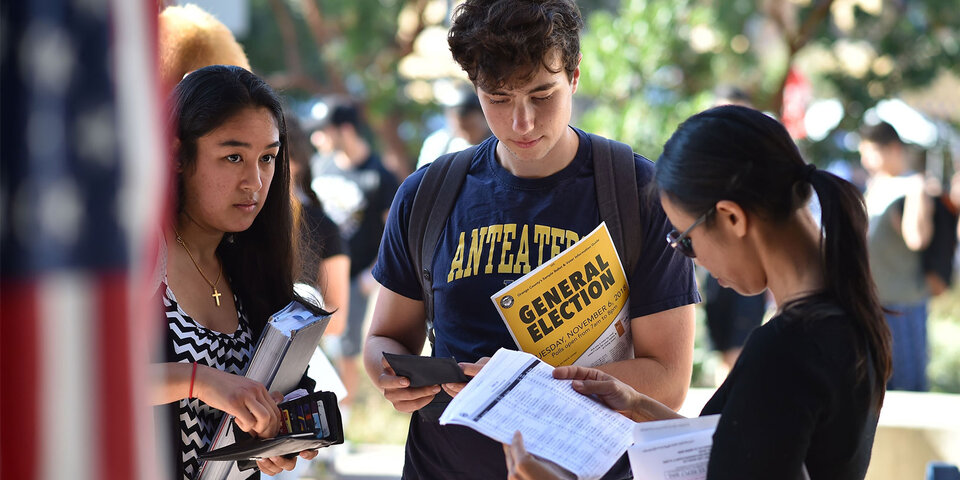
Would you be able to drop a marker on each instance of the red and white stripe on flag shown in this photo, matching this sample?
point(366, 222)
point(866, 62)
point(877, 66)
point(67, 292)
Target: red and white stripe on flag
point(80, 198)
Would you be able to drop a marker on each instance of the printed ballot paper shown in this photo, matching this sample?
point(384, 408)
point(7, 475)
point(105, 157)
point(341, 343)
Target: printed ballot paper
point(676, 449)
point(517, 391)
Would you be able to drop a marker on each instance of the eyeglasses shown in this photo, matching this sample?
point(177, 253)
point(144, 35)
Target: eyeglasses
point(681, 241)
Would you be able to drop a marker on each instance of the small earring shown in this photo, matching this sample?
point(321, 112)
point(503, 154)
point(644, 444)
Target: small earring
point(229, 238)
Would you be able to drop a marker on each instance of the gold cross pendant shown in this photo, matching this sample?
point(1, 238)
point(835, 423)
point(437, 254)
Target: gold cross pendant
point(216, 295)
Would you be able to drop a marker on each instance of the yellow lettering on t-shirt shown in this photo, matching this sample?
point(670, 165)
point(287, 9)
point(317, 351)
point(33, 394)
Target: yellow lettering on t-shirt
point(514, 249)
point(523, 256)
point(456, 266)
point(506, 246)
point(541, 236)
point(476, 249)
point(494, 232)
point(557, 241)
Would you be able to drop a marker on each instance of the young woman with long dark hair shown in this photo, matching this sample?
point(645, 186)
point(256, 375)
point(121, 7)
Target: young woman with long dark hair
point(806, 391)
point(229, 258)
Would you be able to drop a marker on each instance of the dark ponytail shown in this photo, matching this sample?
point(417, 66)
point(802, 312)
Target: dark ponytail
point(846, 271)
point(739, 154)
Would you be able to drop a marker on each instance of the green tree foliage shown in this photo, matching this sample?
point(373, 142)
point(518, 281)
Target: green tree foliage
point(648, 64)
point(640, 75)
point(910, 44)
point(314, 48)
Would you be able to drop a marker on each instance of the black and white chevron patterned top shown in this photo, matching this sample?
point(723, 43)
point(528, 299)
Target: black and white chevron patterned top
point(194, 343)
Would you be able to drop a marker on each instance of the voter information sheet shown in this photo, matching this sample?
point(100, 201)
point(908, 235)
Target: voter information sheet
point(677, 449)
point(516, 391)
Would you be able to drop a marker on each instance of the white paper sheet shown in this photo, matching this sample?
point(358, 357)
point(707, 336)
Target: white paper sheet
point(677, 449)
point(516, 391)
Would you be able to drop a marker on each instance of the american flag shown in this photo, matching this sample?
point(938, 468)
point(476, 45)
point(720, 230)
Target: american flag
point(81, 185)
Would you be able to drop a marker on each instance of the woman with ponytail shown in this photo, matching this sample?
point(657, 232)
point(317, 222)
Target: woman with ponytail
point(806, 392)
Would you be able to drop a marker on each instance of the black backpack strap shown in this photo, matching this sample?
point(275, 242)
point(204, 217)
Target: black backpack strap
point(618, 197)
point(431, 207)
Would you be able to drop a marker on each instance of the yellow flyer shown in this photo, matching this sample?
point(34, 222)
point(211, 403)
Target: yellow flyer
point(572, 309)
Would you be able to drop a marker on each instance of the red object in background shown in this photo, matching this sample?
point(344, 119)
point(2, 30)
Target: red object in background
point(797, 94)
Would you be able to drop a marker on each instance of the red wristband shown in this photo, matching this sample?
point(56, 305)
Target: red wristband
point(192, 377)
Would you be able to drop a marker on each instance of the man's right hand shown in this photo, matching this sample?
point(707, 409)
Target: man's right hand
point(398, 391)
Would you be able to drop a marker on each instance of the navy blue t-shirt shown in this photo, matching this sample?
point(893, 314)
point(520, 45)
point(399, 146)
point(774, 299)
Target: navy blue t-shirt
point(502, 227)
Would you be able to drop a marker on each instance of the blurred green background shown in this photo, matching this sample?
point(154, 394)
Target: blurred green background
point(647, 64)
point(822, 66)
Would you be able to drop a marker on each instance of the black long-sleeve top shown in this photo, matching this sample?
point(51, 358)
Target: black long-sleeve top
point(796, 396)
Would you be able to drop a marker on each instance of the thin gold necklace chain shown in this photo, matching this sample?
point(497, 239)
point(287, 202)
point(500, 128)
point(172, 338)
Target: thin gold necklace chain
point(213, 285)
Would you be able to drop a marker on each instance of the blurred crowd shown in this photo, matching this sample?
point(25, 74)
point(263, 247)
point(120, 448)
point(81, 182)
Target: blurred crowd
point(345, 191)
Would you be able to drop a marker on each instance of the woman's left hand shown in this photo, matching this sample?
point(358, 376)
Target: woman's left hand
point(523, 466)
point(274, 465)
point(615, 394)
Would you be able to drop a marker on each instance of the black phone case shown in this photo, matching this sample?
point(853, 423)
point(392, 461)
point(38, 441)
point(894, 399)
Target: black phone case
point(300, 435)
point(424, 371)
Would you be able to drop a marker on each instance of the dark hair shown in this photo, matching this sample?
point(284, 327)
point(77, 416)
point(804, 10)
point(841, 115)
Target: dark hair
point(502, 41)
point(732, 94)
point(345, 114)
point(259, 261)
point(300, 151)
point(739, 154)
point(881, 133)
point(469, 103)
point(308, 245)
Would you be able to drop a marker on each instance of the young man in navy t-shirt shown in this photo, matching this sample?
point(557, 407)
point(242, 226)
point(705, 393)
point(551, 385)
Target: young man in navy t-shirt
point(529, 194)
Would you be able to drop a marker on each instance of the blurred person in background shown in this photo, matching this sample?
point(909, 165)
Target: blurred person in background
point(356, 191)
point(938, 256)
point(901, 227)
point(954, 198)
point(731, 95)
point(324, 255)
point(465, 126)
point(190, 38)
